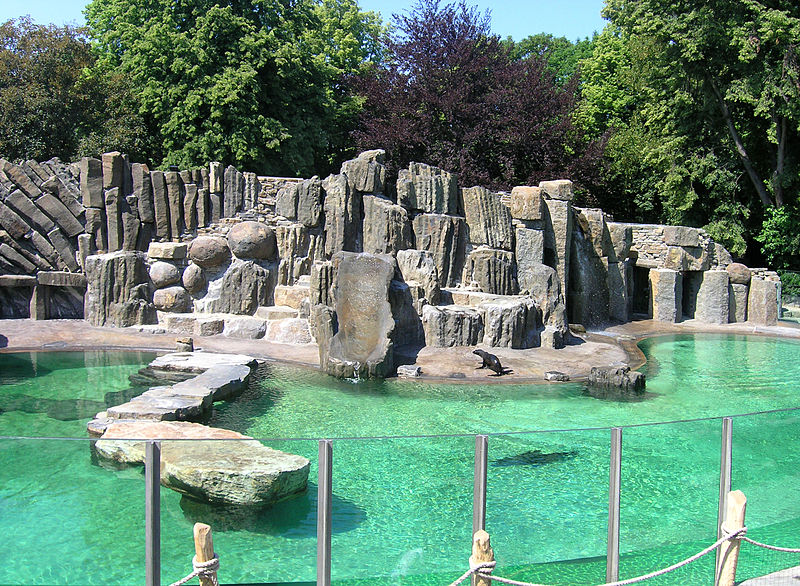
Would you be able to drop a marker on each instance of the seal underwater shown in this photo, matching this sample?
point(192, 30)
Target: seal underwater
point(490, 361)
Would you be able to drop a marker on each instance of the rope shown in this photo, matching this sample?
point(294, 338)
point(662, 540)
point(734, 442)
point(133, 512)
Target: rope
point(738, 534)
point(772, 547)
point(206, 569)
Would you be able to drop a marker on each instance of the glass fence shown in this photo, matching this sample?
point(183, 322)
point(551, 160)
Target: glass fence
point(401, 508)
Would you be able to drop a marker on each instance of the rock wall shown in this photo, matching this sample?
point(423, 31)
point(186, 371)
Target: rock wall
point(228, 252)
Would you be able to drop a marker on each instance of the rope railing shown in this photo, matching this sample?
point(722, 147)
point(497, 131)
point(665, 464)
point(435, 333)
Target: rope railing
point(205, 562)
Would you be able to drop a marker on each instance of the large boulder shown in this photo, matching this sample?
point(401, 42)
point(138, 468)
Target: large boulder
point(546, 292)
point(164, 274)
point(739, 273)
point(343, 215)
point(117, 290)
point(173, 299)
point(762, 302)
point(452, 325)
point(242, 289)
point(209, 251)
point(529, 253)
point(617, 379)
point(737, 304)
point(428, 189)
point(526, 203)
point(488, 219)
point(366, 173)
point(511, 323)
point(241, 471)
point(362, 345)
point(194, 278)
point(419, 267)
point(252, 240)
point(666, 294)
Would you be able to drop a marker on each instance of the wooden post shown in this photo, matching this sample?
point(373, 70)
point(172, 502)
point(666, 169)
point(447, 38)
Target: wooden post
point(204, 551)
point(481, 552)
point(729, 550)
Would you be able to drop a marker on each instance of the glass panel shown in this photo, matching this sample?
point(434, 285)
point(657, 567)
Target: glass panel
point(402, 509)
point(766, 468)
point(670, 493)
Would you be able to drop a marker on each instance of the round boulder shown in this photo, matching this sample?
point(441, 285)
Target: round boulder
point(252, 240)
point(164, 274)
point(208, 251)
point(174, 299)
point(739, 273)
point(194, 278)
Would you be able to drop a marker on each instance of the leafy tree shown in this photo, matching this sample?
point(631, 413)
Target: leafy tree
point(562, 55)
point(707, 93)
point(49, 106)
point(249, 82)
point(780, 237)
point(450, 94)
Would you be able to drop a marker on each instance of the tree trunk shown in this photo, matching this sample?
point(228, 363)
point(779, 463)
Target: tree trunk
point(759, 185)
point(781, 131)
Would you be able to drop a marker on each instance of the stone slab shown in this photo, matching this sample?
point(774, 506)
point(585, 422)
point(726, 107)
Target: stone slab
point(167, 250)
point(61, 279)
point(199, 361)
point(222, 381)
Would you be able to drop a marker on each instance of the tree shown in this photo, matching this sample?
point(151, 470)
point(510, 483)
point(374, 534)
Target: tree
point(709, 94)
point(249, 82)
point(449, 93)
point(561, 55)
point(49, 105)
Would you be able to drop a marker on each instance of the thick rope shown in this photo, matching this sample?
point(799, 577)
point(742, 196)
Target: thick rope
point(727, 536)
point(772, 547)
point(207, 569)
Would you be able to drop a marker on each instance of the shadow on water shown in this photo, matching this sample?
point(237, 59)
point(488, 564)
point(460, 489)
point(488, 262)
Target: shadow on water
point(617, 395)
point(294, 518)
point(60, 409)
point(534, 458)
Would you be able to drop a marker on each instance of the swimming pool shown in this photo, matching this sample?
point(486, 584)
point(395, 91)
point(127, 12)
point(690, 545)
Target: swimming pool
point(402, 505)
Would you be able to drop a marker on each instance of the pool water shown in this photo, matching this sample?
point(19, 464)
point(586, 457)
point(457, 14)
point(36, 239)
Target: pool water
point(403, 505)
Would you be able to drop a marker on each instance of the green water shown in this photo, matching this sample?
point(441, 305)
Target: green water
point(402, 507)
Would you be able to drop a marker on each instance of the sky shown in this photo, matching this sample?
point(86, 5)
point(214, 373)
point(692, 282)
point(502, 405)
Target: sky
point(573, 19)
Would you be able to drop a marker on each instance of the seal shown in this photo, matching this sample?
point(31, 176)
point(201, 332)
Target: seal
point(490, 361)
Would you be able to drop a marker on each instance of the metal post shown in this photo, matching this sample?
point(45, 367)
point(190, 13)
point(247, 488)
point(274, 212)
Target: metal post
point(152, 513)
point(479, 484)
point(324, 497)
point(614, 475)
point(726, 454)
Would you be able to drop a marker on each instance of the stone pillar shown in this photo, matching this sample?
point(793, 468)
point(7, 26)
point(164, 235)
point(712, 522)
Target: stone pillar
point(39, 302)
point(762, 303)
point(666, 294)
point(558, 239)
point(712, 298)
point(737, 304)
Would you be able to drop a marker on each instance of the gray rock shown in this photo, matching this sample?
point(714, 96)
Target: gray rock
point(288, 331)
point(419, 267)
point(63, 218)
point(366, 173)
point(621, 239)
point(215, 177)
point(143, 190)
point(96, 228)
point(46, 250)
point(16, 259)
point(220, 382)
point(511, 323)
point(194, 279)
point(720, 257)
point(190, 207)
point(237, 472)
point(529, 254)
point(116, 293)
point(197, 362)
point(244, 326)
point(233, 192)
point(452, 325)
point(286, 201)
point(621, 379)
point(526, 203)
point(546, 292)
point(619, 303)
point(560, 189)
point(164, 274)
point(762, 302)
point(167, 250)
point(250, 240)
point(555, 376)
point(175, 202)
point(242, 289)
point(12, 222)
point(29, 212)
point(173, 299)
point(387, 228)
point(66, 250)
point(61, 279)
point(681, 236)
point(737, 303)
point(161, 208)
point(22, 180)
point(113, 168)
point(558, 238)
point(712, 298)
point(589, 288)
point(488, 219)
point(129, 214)
point(296, 249)
point(362, 345)
point(323, 277)
point(55, 186)
point(406, 302)
point(428, 189)
point(209, 251)
point(251, 190)
point(113, 219)
point(666, 293)
point(739, 273)
point(445, 238)
point(687, 258)
point(492, 270)
point(343, 216)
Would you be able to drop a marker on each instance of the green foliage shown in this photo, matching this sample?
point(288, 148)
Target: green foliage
point(703, 103)
point(790, 283)
point(561, 55)
point(780, 237)
point(50, 104)
point(255, 83)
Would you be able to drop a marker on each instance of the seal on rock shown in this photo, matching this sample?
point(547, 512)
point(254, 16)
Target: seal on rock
point(490, 361)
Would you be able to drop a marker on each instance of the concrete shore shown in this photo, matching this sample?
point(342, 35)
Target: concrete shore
point(615, 345)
